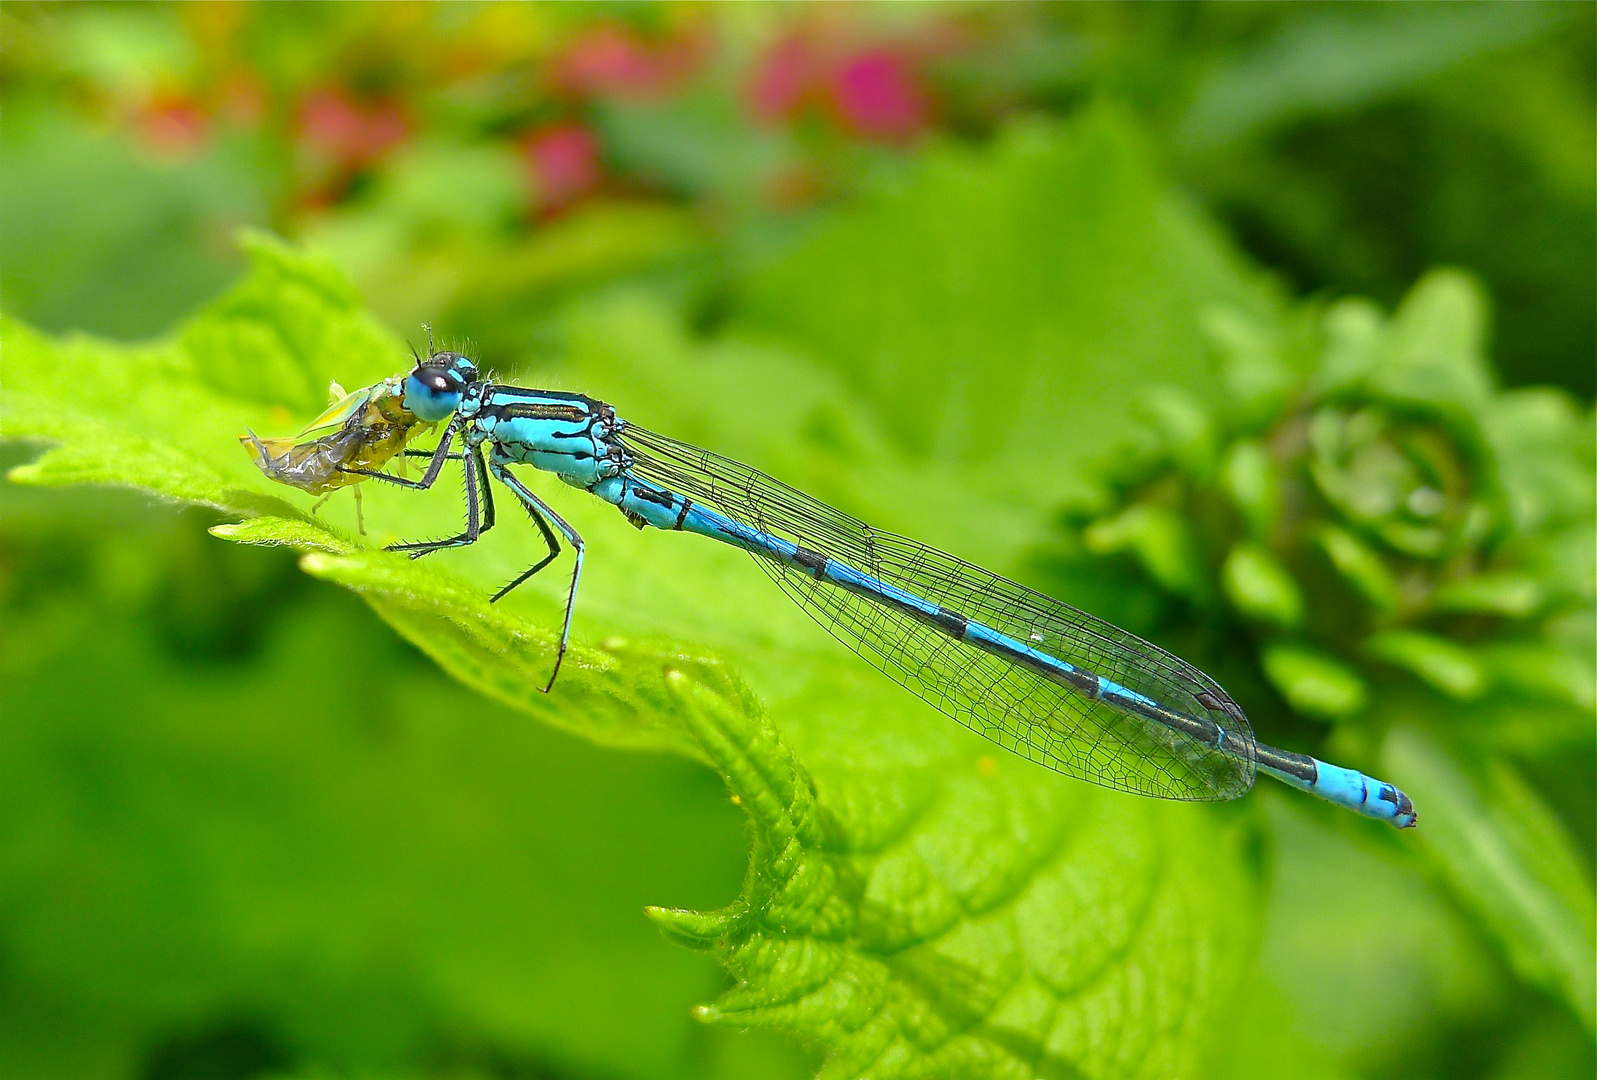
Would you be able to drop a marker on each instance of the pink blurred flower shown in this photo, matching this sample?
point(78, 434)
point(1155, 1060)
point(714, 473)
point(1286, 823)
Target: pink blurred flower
point(878, 96)
point(563, 163)
point(348, 133)
point(172, 125)
point(791, 72)
point(611, 60)
point(873, 93)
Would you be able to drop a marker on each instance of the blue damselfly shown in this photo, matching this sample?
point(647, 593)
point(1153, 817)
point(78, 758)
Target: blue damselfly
point(1053, 684)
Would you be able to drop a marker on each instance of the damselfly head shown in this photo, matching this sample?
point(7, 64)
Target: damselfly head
point(434, 389)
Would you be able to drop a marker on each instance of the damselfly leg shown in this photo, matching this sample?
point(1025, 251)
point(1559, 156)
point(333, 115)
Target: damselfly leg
point(479, 509)
point(479, 500)
point(543, 515)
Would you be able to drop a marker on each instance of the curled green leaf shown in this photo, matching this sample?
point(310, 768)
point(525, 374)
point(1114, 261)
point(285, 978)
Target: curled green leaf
point(1158, 537)
point(1508, 594)
point(1261, 588)
point(1435, 660)
point(1251, 482)
point(1313, 682)
point(1360, 567)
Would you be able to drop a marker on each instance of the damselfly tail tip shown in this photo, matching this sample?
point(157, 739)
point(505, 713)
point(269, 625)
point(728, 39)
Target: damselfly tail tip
point(1404, 815)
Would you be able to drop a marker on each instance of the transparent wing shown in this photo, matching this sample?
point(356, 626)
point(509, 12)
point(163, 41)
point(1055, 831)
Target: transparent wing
point(1014, 706)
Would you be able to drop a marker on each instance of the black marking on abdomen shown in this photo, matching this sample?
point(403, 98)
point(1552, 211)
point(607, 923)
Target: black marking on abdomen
point(649, 494)
point(531, 410)
point(951, 623)
point(682, 515)
point(1299, 765)
point(1050, 667)
point(813, 561)
point(1198, 729)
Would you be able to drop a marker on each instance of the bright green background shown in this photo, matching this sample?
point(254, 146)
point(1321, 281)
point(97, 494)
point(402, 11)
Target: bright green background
point(249, 830)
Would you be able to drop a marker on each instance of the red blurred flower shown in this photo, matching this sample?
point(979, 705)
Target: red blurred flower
point(611, 60)
point(877, 95)
point(563, 164)
point(350, 134)
point(171, 124)
point(874, 93)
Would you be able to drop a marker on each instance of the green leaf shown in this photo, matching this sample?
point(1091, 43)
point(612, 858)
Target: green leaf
point(1159, 538)
point(129, 415)
point(1000, 307)
point(1544, 457)
point(1354, 328)
point(1339, 58)
point(1314, 683)
point(1250, 480)
point(1261, 588)
point(1543, 670)
point(613, 695)
point(1435, 348)
point(286, 330)
point(916, 901)
point(1182, 426)
point(1509, 594)
point(917, 949)
point(1257, 380)
point(1360, 567)
point(1511, 860)
point(1436, 660)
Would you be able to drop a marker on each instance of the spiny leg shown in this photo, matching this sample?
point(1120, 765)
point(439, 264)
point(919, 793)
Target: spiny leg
point(543, 516)
point(479, 513)
point(487, 490)
point(549, 541)
point(439, 454)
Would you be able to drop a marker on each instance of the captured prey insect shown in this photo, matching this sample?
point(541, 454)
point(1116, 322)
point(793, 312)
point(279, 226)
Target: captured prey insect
point(371, 426)
point(1055, 685)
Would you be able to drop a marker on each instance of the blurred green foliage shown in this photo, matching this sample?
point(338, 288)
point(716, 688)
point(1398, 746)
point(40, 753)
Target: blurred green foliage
point(251, 831)
point(1408, 551)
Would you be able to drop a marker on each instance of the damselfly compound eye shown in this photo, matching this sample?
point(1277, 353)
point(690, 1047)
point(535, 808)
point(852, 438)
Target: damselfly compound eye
point(432, 392)
point(438, 380)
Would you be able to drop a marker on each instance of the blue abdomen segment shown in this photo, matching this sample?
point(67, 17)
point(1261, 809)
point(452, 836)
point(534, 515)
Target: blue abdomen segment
point(1344, 787)
point(1347, 788)
point(706, 522)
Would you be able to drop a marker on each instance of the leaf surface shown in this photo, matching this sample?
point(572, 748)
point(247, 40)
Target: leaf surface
point(918, 904)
